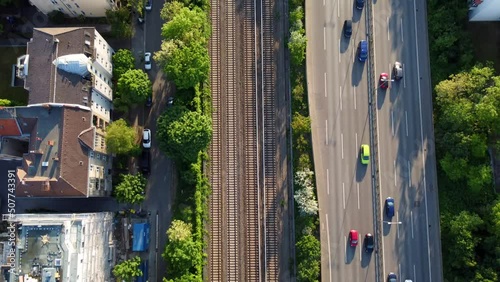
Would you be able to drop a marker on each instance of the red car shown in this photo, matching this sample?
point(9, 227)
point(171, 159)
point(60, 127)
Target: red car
point(384, 80)
point(353, 238)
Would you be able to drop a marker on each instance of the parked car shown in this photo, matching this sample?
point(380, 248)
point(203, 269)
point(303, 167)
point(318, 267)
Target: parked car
point(146, 138)
point(389, 207)
point(392, 277)
point(383, 81)
point(397, 71)
point(170, 101)
point(353, 238)
point(360, 4)
point(149, 101)
point(149, 5)
point(369, 243)
point(362, 50)
point(347, 28)
point(147, 60)
point(145, 162)
point(365, 154)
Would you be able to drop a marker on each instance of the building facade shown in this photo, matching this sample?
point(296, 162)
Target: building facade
point(60, 135)
point(75, 8)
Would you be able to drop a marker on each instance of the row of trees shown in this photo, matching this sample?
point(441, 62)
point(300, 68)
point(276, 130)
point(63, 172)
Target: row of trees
point(308, 247)
point(466, 116)
point(184, 132)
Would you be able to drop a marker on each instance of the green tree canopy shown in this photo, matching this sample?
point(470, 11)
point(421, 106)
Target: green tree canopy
point(128, 270)
point(136, 5)
point(120, 138)
point(183, 134)
point(170, 9)
point(182, 253)
point(462, 240)
point(308, 258)
point(133, 87)
point(297, 45)
point(120, 20)
point(187, 26)
point(131, 189)
point(123, 60)
point(5, 103)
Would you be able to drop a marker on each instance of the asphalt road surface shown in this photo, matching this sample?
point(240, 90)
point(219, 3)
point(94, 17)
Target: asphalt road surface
point(338, 97)
point(411, 239)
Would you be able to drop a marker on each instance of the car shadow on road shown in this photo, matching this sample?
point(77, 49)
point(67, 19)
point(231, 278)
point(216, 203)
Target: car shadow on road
point(381, 93)
point(356, 13)
point(395, 89)
point(366, 257)
point(361, 169)
point(350, 252)
point(344, 43)
point(386, 229)
point(357, 71)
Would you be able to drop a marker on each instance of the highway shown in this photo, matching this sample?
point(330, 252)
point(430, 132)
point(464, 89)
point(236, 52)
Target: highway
point(411, 245)
point(339, 111)
point(338, 98)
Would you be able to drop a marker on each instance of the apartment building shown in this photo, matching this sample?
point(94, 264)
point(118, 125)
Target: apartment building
point(75, 8)
point(60, 135)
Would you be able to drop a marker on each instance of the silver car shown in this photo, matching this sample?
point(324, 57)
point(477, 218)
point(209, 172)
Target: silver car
point(397, 71)
point(147, 60)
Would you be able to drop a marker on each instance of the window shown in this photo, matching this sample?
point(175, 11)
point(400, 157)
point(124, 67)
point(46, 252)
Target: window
point(98, 157)
point(91, 167)
point(91, 154)
point(83, 13)
point(104, 158)
point(69, 6)
point(54, 2)
point(76, 4)
point(61, 9)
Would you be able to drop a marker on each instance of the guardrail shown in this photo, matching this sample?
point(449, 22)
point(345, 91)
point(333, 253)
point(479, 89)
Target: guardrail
point(372, 109)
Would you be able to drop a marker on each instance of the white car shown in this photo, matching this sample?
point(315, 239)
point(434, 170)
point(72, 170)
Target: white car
point(149, 5)
point(147, 60)
point(146, 138)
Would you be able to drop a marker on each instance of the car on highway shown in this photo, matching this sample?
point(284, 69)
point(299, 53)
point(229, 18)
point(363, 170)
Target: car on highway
point(392, 277)
point(147, 60)
point(146, 138)
point(360, 4)
point(362, 50)
point(383, 80)
point(149, 5)
point(365, 154)
point(353, 238)
point(347, 28)
point(397, 71)
point(369, 243)
point(389, 207)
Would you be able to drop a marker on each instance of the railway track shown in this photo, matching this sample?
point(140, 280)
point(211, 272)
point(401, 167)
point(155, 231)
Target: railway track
point(269, 141)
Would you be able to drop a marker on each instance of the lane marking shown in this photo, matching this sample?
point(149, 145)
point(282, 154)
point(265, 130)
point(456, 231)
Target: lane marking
point(343, 193)
point(411, 218)
point(360, 253)
point(394, 172)
point(353, 56)
point(357, 186)
point(402, 34)
point(409, 174)
point(422, 142)
point(326, 131)
point(399, 266)
point(354, 91)
point(342, 144)
point(345, 249)
point(327, 182)
point(388, 38)
point(324, 2)
point(397, 220)
point(338, 8)
point(414, 274)
point(392, 122)
point(326, 91)
point(340, 96)
point(339, 50)
point(404, 77)
point(329, 254)
point(406, 119)
point(324, 37)
point(357, 148)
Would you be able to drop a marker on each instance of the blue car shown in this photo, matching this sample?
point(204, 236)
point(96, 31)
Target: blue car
point(362, 50)
point(389, 207)
point(392, 277)
point(360, 4)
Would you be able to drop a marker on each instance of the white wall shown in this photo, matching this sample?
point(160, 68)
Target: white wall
point(488, 10)
point(75, 8)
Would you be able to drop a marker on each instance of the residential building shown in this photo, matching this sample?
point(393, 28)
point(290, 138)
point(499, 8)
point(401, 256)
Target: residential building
point(60, 135)
point(75, 8)
point(484, 10)
point(60, 247)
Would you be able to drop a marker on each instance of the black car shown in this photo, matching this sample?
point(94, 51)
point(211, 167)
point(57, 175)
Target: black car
point(392, 277)
point(347, 28)
point(145, 161)
point(149, 101)
point(369, 243)
point(360, 4)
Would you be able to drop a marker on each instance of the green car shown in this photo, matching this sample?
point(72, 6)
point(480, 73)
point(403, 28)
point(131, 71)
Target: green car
point(365, 154)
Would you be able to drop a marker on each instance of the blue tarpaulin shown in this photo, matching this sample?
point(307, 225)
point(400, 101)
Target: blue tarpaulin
point(140, 241)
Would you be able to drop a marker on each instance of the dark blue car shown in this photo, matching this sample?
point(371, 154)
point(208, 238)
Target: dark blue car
point(362, 50)
point(360, 4)
point(389, 207)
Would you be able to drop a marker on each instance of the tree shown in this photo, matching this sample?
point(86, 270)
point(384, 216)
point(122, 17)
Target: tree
point(5, 2)
point(304, 192)
point(186, 26)
point(495, 219)
point(308, 257)
point(131, 189)
point(184, 134)
point(182, 253)
point(133, 87)
point(128, 270)
point(462, 240)
point(297, 45)
point(454, 168)
point(120, 138)
point(5, 103)
point(120, 21)
point(123, 60)
point(170, 9)
point(136, 5)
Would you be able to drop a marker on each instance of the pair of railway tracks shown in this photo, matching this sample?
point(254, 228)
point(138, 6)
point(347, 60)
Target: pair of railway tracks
point(243, 208)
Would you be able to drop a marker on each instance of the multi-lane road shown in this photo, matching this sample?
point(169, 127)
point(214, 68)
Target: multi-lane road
point(409, 243)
